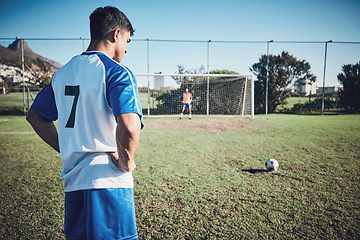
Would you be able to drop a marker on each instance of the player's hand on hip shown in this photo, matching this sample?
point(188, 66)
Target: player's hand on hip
point(129, 166)
point(113, 155)
point(124, 164)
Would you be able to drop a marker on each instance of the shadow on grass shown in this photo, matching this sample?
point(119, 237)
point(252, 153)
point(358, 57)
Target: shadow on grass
point(12, 111)
point(255, 170)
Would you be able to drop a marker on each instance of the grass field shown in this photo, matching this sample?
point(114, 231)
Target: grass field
point(291, 101)
point(15, 100)
point(294, 100)
point(212, 186)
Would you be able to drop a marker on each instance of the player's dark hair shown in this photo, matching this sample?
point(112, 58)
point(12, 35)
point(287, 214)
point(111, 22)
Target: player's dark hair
point(103, 20)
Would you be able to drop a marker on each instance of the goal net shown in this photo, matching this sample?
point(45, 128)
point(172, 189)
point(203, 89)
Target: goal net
point(223, 94)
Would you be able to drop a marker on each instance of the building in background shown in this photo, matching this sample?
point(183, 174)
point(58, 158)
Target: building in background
point(327, 89)
point(11, 74)
point(306, 86)
point(158, 81)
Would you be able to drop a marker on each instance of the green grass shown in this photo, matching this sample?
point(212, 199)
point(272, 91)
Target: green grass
point(15, 100)
point(212, 186)
point(12, 100)
point(291, 101)
point(144, 101)
point(295, 100)
point(13, 103)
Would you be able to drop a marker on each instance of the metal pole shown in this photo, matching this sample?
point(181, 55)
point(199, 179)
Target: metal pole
point(267, 77)
point(208, 79)
point(22, 66)
point(323, 90)
point(244, 97)
point(148, 71)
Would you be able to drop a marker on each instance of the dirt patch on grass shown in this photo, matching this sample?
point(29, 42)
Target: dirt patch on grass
point(201, 125)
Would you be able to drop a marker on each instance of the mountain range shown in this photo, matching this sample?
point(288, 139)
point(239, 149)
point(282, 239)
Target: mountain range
point(11, 56)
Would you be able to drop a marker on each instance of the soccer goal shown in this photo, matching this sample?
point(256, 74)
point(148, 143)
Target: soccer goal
point(223, 94)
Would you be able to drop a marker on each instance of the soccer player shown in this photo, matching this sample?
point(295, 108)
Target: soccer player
point(186, 98)
point(96, 102)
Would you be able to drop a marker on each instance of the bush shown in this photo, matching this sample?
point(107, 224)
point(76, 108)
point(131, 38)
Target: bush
point(316, 106)
point(298, 94)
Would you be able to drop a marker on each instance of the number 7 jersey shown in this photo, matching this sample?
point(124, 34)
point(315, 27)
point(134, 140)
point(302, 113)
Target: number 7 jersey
point(85, 96)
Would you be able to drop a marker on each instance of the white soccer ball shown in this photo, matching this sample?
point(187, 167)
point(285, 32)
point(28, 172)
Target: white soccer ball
point(271, 165)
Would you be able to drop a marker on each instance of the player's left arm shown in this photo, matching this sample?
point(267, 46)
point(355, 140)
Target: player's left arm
point(44, 128)
point(127, 139)
point(123, 97)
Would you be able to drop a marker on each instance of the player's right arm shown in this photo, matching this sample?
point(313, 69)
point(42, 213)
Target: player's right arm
point(42, 115)
point(44, 128)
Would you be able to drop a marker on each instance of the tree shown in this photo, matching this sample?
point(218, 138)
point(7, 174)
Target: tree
point(223, 72)
point(349, 95)
point(284, 69)
point(187, 80)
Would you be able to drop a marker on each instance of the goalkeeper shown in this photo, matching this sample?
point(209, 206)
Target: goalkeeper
point(186, 98)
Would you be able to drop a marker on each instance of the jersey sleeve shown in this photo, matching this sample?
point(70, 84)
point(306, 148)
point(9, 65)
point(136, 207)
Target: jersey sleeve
point(44, 104)
point(122, 94)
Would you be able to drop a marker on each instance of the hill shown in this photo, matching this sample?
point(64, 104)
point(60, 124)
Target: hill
point(11, 56)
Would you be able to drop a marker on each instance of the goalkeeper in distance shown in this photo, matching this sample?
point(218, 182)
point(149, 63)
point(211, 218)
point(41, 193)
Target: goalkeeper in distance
point(186, 98)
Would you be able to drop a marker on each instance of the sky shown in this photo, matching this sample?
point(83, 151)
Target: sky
point(202, 20)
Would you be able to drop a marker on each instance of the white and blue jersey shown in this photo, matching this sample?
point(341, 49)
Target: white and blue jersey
point(85, 96)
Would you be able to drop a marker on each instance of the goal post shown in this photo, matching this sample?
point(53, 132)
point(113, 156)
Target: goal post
point(222, 94)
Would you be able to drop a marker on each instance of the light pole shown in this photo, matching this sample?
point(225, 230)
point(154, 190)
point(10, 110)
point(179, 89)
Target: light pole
point(323, 90)
point(267, 77)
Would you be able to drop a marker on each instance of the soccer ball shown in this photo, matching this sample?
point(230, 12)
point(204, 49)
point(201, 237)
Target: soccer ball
point(271, 165)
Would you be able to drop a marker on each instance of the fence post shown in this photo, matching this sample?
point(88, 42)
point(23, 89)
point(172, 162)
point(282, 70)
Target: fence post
point(148, 71)
point(208, 79)
point(323, 90)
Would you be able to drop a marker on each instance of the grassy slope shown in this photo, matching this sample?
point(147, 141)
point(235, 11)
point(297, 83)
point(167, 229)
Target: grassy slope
point(213, 186)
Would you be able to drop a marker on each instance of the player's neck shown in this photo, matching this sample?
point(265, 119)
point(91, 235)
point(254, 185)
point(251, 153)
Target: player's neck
point(101, 46)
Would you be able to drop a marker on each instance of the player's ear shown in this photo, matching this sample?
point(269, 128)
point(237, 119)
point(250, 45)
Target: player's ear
point(117, 35)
